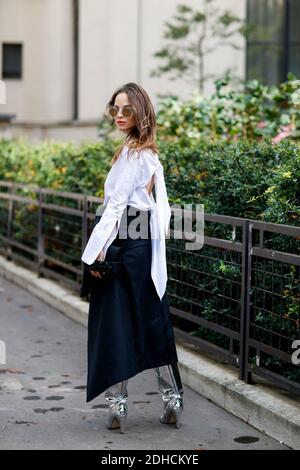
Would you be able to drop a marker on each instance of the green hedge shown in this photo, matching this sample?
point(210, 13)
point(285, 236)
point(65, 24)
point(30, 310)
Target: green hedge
point(258, 180)
point(251, 110)
point(55, 165)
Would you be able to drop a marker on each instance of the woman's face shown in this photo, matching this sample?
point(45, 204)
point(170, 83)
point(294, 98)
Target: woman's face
point(122, 122)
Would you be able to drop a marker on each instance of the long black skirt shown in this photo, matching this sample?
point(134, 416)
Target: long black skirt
point(129, 327)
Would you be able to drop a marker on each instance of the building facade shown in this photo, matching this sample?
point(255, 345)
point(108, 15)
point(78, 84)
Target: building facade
point(61, 60)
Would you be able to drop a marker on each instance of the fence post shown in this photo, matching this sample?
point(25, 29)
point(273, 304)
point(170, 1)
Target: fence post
point(245, 303)
point(84, 221)
point(84, 224)
point(40, 247)
point(84, 234)
point(11, 210)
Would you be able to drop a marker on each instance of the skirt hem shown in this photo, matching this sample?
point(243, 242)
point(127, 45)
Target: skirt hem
point(128, 376)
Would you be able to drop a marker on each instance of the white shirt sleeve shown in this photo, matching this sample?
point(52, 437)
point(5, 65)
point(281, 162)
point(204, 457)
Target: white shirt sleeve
point(163, 206)
point(127, 181)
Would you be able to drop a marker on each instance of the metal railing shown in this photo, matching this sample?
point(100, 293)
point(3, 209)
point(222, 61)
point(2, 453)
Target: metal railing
point(237, 298)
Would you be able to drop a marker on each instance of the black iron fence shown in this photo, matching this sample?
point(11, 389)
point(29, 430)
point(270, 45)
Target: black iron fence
point(238, 297)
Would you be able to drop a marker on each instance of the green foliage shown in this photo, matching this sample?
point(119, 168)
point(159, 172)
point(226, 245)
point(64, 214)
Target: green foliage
point(258, 180)
point(55, 165)
point(283, 194)
point(252, 113)
point(235, 179)
point(191, 36)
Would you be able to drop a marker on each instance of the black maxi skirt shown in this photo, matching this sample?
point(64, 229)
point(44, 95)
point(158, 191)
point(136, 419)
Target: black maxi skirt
point(129, 327)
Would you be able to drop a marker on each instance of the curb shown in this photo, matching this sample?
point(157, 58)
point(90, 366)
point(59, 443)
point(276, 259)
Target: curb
point(267, 410)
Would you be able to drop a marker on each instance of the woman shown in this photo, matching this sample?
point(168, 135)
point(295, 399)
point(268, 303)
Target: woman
point(129, 326)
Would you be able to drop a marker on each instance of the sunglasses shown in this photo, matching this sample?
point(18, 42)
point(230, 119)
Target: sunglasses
point(126, 111)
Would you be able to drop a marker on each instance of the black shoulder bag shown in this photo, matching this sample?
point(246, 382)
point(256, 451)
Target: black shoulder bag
point(109, 268)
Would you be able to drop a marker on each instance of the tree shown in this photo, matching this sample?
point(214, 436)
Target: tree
point(188, 42)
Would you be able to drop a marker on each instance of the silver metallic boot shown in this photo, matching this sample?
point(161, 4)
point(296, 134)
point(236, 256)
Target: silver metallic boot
point(117, 396)
point(169, 383)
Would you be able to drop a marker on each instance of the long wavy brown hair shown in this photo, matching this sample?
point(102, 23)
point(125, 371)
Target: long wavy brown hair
point(143, 134)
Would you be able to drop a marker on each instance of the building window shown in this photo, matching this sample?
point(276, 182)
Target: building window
point(273, 46)
point(11, 60)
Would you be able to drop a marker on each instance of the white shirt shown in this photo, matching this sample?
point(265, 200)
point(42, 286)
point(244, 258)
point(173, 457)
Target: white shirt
point(125, 184)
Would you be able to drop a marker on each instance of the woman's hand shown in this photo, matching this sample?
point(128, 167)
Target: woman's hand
point(100, 257)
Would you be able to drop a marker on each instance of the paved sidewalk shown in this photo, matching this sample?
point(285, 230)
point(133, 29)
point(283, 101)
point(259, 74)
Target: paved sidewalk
point(42, 393)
